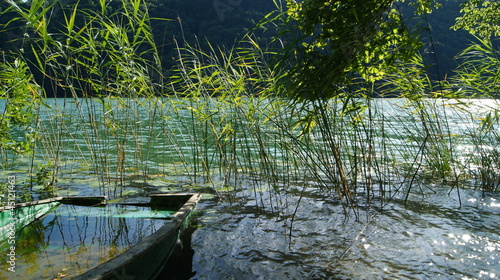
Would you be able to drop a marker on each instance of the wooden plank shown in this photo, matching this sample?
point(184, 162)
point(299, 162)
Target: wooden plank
point(84, 200)
point(169, 200)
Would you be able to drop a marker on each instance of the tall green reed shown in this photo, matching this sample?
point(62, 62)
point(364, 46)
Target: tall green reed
point(105, 61)
point(225, 120)
point(221, 92)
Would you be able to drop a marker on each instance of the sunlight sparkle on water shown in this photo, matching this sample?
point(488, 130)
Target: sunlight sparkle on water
point(494, 203)
point(466, 237)
point(486, 274)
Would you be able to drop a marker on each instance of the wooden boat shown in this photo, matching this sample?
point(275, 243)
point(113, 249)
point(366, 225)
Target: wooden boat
point(164, 219)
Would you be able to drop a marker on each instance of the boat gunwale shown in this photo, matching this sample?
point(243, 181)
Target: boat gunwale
point(31, 203)
point(62, 199)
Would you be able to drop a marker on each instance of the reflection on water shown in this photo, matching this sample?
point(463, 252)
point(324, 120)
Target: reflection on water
point(72, 239)
point(432, 237)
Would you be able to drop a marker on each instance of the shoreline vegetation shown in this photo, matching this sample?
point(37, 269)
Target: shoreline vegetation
point(298, 111)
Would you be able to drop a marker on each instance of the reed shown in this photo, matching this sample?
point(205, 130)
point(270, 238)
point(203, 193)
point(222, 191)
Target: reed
point(222, 119)
point(110, 60)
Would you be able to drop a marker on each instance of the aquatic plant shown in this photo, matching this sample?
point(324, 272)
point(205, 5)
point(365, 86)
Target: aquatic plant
point(225, 117)
point(105, 56)
point(22, 99)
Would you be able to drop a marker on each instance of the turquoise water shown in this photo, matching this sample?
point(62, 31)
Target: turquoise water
point(110, 145)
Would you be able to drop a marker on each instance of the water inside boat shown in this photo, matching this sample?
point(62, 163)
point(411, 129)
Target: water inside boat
point(71, 239)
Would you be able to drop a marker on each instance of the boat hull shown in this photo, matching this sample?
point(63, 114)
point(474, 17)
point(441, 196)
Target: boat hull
point(147, 258)
point(15, 217)
point(143, 260)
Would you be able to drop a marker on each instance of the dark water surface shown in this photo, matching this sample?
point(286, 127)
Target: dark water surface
point(432, 237)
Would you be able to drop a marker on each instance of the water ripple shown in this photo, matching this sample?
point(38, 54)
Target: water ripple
point(424, 239)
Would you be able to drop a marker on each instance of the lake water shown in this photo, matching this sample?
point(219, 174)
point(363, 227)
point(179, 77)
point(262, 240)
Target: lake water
point(275, 220)
point(431, 237)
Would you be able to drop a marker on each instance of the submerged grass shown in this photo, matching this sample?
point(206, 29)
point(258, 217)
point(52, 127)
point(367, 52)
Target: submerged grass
point(222, 119)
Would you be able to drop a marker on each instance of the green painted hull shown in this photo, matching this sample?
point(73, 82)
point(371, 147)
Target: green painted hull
point(18, 216)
